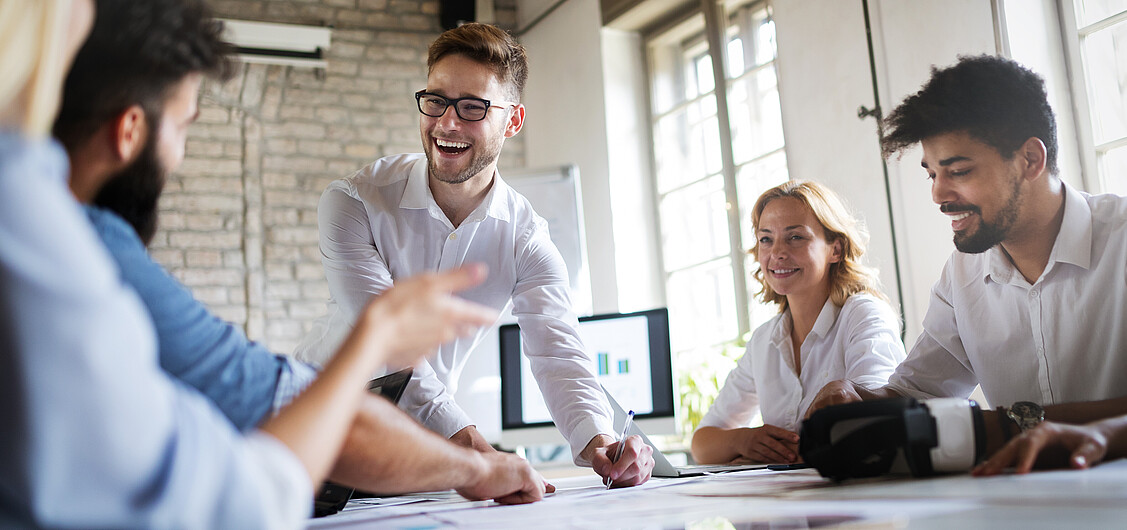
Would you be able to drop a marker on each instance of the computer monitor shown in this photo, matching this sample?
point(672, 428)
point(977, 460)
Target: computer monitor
point(630, 357)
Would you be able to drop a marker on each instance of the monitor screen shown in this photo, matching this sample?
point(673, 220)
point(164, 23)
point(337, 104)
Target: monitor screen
point(629, 355)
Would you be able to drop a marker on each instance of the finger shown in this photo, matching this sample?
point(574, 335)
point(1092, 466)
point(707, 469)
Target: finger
point(996, 463)
point(1027, 451)
point(762, 453)
point(638, 466)
point(549, 487)
point(780, 433)
point(461, 278)
point(776, 449)
point(1087, 454)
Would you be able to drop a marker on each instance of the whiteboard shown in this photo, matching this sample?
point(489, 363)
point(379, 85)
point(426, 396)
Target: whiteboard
point(554, 194)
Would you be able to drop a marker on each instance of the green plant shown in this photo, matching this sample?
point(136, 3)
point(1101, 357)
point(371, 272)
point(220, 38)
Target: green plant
point(700, 374)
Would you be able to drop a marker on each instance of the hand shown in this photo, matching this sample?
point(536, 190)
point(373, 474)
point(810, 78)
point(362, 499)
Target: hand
point(507, 479)
point(418, 314)
point(1084, 445)
point(470, 437)
point(769, 444)
point(834, 393)
point(632, 468)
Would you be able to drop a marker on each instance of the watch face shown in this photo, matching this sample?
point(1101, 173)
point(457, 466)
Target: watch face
point(1027, 414)
point(1028, 410)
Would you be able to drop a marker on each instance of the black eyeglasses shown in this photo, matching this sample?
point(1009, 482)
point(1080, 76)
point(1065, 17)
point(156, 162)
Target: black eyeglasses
point(469, 109)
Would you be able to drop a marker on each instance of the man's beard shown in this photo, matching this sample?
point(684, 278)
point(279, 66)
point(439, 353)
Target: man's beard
point(478, 163)
point(135, 191)
point(990, 233)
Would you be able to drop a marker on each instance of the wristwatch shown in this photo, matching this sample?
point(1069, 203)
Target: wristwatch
point(1026, 414)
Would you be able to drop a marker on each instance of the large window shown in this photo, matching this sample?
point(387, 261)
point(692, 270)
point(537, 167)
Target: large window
point(1096, 35)
point(718, 144)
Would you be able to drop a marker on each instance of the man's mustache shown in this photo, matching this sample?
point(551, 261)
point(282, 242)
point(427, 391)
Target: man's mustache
point(956, 208)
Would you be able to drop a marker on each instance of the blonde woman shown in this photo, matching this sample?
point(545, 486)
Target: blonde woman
point(833, 323)
point(95, 434)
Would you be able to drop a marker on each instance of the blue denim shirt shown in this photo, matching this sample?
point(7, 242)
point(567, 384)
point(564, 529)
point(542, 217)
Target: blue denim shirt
point(242, 377)
point(93, 433)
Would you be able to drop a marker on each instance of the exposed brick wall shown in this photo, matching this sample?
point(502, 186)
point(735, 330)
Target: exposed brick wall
point(239, 219)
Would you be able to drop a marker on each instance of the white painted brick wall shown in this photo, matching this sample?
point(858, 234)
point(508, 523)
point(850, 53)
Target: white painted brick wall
point(238, 219)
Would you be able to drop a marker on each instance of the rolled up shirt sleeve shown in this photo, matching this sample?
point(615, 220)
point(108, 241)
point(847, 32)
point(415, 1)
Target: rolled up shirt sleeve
point(873, 349)
point(937, 366)
point(559, 362)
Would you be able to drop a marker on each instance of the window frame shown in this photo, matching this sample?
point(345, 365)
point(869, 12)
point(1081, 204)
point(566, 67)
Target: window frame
point(716, 35)
point(1071, 36)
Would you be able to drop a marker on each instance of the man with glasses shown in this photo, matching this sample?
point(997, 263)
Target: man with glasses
point(406, 214)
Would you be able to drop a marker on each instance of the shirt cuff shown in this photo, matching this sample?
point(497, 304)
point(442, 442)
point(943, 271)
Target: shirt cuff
point(447, 420)
point(292, 488)
point(582, 434)
point(293, 377)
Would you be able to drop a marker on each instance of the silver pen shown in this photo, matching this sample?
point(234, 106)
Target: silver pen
point(621, 442)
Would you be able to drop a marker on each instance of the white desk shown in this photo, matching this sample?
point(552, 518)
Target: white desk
point(1095, 498)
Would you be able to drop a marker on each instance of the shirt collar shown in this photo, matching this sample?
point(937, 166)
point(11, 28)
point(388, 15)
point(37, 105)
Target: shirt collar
point(1073, 244)
point(417, 195)
point(826, 319)
point(822, 326)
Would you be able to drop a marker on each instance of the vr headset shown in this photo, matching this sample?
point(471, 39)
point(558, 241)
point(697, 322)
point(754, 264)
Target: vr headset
point(898, 435)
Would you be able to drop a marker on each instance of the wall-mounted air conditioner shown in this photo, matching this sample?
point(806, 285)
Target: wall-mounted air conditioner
point(285, 44)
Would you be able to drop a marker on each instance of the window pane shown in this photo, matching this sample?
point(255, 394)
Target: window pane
point(765, 42)
point(1105, 67)
point(1092, 11)
point(694, 224)
point(673, 64)
point(757, 122)
point(702, 306)
point(736, 55)
point(687, 145)
point(705, 82)
point(752, 180)
point(1113, 170)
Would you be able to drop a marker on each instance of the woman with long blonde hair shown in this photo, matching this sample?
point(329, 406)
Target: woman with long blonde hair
point(833, 323)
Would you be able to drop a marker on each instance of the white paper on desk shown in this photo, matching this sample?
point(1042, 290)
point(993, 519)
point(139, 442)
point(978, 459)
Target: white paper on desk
point(757, 483)
point(376, 502)
point(572, 490)
point(662, 509)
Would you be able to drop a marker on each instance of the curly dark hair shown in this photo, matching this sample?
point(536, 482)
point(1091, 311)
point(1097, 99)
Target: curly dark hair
point(136, 52)
point(993, 99)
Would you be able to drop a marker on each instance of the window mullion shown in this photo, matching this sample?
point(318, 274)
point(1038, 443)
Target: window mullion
point(715, 24)
point(1081, 110)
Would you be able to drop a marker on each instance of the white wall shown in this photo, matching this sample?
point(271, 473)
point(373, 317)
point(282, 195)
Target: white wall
point(566, 123)
point(825, 76)
point(641, 284)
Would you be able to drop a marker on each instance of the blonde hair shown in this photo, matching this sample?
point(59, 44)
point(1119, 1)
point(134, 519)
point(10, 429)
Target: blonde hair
point(32, 53)
point(848, 276)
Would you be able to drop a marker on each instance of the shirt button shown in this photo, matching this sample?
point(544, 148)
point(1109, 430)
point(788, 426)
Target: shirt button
point(453, 236)
point(1034, 294)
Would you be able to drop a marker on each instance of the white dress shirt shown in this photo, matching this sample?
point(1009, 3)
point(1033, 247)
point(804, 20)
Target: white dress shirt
point(1062, 339)
point(383, 224)
point(95, 434)
point(859, 341)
